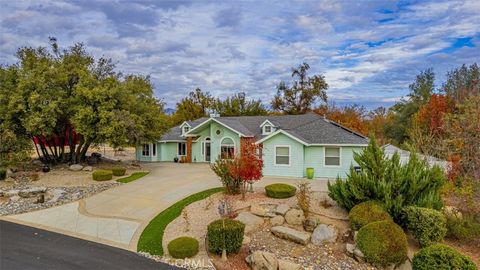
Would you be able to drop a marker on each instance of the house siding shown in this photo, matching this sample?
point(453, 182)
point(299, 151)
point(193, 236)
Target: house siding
point(197, 155)
point(168, 151)
point(314, 158)
point(139, 157)
point(295, 169)
point(216, 139)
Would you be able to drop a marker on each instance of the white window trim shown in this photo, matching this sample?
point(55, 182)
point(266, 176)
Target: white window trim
point(220, 147)
point(289, 156)
point(178, 148)
point(339, 158)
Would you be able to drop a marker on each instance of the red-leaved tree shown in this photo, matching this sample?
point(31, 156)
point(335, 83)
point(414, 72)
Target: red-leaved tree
point(247, 167)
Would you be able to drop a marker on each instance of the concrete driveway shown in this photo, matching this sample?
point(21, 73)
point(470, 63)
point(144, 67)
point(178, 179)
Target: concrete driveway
point(118, 216)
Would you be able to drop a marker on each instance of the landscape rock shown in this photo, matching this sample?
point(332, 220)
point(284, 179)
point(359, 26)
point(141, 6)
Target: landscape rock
point(31, 192)
point(261, 260)
point(350, 248)
point(258, 210)
point(291, 234)
point(246, 240)
point(324, 234)
point(277, 221)
point(88, 168)
point(250, 220)
point(310, 224)
point(407, 265)
point(453, 211)
point(75, 167)
point(282, 209)
point(288, 265)
point(294, 217)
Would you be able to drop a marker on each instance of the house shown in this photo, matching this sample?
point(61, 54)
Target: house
point(405, 156)
point(289, 143)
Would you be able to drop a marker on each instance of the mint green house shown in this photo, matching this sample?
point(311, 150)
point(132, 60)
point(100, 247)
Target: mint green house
point(289, 143)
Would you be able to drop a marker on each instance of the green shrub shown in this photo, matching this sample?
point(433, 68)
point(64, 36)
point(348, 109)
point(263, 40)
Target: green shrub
point(183, 247)
point(226, 233)
point(467, 227)
point(119, 171)
point(427, 225)
point(3, 174)
point(388, 181)
point(440, 256)
point(102, 175)
point(383, 243)
point(365, 213)
point(280, 191)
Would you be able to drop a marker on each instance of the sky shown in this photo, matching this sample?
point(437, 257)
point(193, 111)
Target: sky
point(368, 51)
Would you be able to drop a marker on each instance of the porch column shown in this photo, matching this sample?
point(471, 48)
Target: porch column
point(189, 150)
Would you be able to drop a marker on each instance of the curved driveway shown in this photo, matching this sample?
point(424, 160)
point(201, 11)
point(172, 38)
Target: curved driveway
point(118, 216)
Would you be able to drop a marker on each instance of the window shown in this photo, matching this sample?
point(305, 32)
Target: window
point(267, 129)
point(282, 155)
point(332, 156)
point(146, 150)
point(227, 149)
point(182, 149)
point(154, 149)
point(185, 129)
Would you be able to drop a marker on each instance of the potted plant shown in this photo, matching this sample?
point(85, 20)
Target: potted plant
point(175, 159)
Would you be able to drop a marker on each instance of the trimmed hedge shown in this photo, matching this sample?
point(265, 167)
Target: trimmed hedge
point(365, 213)
point(383, 243)
point(183, 247)
point(230, 236)
point(119, 171)
point(440, 256)
point(102, 175)
point(280, 191)
point(3, 174)
point(427, 225)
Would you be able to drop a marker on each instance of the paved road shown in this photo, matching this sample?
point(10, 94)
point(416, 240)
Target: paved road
point(25, 248)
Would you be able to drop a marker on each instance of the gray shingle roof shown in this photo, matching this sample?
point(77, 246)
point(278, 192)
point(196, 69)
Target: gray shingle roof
point(310, 128)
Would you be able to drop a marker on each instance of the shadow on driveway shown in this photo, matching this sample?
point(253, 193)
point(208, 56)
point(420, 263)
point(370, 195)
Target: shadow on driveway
point(23, 247)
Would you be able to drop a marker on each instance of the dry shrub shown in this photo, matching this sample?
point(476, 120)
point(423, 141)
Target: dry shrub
point(304, 192)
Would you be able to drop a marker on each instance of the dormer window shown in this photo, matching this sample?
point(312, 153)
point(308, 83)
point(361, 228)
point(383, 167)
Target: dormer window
point(267, 127)
point(185, 127)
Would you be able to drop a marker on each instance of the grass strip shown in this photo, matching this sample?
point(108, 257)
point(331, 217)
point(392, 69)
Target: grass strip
point(134, 176)
point(152, 236)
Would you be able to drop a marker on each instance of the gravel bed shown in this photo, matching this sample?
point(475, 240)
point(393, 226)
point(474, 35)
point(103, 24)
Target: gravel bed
point(54, 196)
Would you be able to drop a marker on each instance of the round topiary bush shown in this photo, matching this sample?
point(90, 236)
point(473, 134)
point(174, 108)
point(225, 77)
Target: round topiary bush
point(280, 191)
point(183, 247)
point(440, 256)
point(226, 233)
point(102, 175)
point(365, 213)
point(383, 243)
point(427, 225)
point(118, 171)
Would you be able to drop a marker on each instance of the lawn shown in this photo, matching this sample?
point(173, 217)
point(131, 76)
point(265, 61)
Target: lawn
point(152, 236)
point(134, 176)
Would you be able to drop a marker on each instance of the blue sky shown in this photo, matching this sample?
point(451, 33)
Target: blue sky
point(369, 51)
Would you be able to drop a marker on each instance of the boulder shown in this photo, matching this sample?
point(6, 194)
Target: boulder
point(354, 252)
point(291, 234)
point(282, 209)
point(75, 167)
point(287, 265)
point(324, 234)
point(309, 224)
point(87, 168)
point(250, 220)
point(258, 210)
point(277, 221)
point(407, 265)
point(261, 260)
point(350, 249)
point(31, 192)
point(294, 217)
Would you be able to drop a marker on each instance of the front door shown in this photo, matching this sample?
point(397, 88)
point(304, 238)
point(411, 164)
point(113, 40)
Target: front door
point(207, 152)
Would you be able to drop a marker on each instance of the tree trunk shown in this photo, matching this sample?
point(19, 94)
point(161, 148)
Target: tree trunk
point(76, 158)
point(85, 149)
